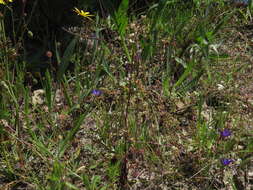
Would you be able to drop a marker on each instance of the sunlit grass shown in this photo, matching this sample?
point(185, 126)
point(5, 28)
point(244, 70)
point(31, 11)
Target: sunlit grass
point(151, 101)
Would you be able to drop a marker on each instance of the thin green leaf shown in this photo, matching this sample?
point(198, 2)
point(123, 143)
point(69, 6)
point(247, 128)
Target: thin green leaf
point(64, 62)
point(70, 136)
point(121, 17)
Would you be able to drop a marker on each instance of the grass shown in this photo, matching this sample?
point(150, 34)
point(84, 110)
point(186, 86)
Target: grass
point(162, 100)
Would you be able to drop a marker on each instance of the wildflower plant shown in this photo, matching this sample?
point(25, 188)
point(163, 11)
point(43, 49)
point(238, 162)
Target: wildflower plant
point(4, 1)
point(96, 92)
point(226, 161)
point(83, 13)
point(111, 103)
point(225, 133)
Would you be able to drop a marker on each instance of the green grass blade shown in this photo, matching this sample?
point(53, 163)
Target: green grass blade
point(70, 136)
point(186, 73)
point(66, 58)
point(121, 17)
point(48, 90)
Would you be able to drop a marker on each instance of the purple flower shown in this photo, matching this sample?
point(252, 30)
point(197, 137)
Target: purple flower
point(225, 133)
point(96, 92)
point(226, 161)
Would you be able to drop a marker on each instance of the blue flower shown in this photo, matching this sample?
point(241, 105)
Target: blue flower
point(226, 161)
point(225, 133)
point(96, 92)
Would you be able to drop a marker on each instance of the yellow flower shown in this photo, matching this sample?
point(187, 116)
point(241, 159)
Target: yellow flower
point(4, 1)
point(82, 13)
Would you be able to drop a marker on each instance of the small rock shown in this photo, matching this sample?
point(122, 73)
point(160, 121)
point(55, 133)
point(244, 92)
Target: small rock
point(38, 97)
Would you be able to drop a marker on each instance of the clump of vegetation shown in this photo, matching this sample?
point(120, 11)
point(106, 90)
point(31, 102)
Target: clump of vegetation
point(153, 99)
